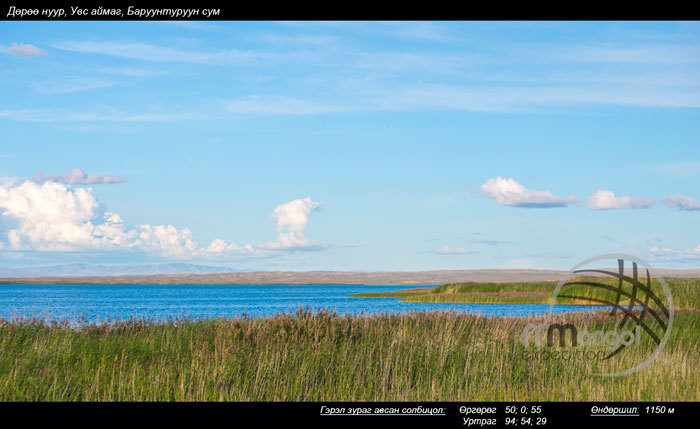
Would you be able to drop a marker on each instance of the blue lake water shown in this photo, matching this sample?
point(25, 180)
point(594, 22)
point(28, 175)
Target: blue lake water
point(99, 302)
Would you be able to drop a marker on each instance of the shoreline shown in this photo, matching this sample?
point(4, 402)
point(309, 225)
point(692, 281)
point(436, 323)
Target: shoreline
point(388, 278)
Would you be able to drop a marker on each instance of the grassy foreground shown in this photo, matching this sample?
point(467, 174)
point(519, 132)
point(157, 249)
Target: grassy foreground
point(685, 292)
point(322, 356)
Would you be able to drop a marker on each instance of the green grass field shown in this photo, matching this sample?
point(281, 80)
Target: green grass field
point(321, 356)
point(685, 292)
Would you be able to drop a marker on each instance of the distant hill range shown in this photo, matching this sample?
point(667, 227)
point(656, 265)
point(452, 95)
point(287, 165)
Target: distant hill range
point(78, 270)
point(204, 275)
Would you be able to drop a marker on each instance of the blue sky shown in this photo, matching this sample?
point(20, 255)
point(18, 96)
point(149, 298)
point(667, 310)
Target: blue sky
point(349, 145)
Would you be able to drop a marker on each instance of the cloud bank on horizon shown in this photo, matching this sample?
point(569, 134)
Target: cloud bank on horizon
point(682, 202)
point(49, 215)
point(447, 250)
point(77, 176)
point(508, 192)
point(606, 200)
point(46, 214)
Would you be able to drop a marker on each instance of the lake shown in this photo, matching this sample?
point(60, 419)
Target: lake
point(98, 302)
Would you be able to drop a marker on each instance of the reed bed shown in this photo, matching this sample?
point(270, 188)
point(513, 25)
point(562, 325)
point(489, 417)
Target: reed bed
point(685, 292)
point(319, 356)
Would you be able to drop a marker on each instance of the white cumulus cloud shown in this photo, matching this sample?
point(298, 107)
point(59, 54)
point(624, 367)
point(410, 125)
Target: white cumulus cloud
point(606, 200)
point(77, 176)
point(667, 254)
point(682, 202)
point(508, 192)
point(48, 216)
point(447, 250)
point(167, 240)
point(52, 216)
point(26, 50)
point(292, 219)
